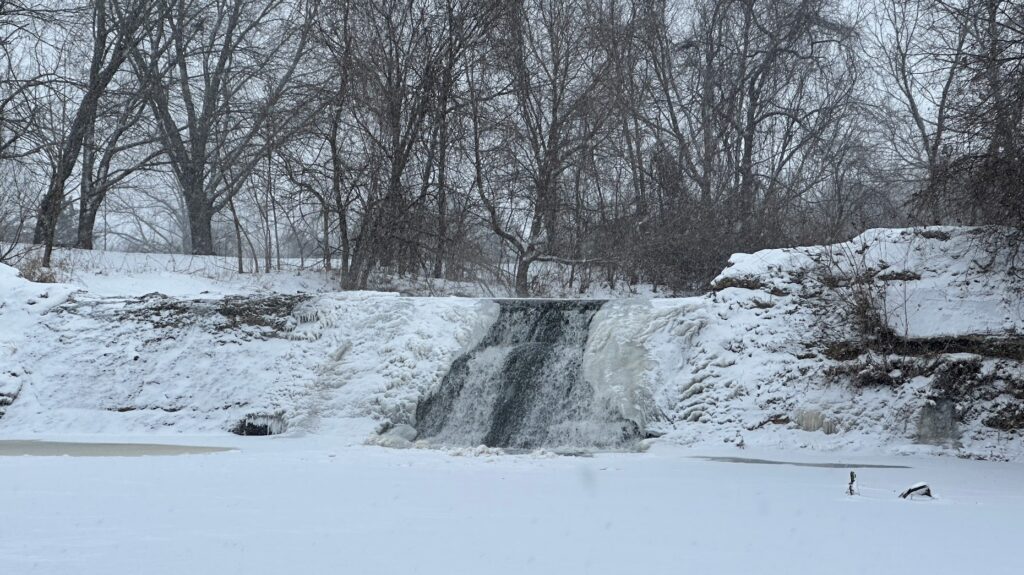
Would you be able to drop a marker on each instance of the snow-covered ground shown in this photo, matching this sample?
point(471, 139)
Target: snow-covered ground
point(747, 371)
point(316, 505)
point(747, 364)
point(126, 273)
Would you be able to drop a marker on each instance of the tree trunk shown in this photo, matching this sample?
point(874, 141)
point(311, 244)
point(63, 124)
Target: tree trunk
point(53, 202)
point(100, 75)
point(200, 222)
point(49, 213)
point(88, 204)
point(346, 248)
point(350, 277)
point(271, 233)
point(327, 236)
point(348, 280)
point(523, 276)
point(238, 234)
point(359, 273)
point(442, 233)
point(86, 224)
point(547, 205)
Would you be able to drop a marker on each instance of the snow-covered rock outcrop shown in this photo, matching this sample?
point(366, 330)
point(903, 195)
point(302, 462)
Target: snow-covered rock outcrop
point(905, 338)
point(78, 363)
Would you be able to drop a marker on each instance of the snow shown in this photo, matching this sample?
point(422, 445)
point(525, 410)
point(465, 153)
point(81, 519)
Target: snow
point(955, 288)
point(108, 273)
point(746, 364)
point(741, 365)
point(737, 376)
point(312, 505)
point(22, 305)
point(148, 365)
point(104, 273)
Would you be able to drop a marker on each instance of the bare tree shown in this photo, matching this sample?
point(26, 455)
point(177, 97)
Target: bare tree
point(552, 79)
point(201, 71)
point(743, 98)
point(118, 146)
point(923, 56)
point(475, 139)
point(116, 30)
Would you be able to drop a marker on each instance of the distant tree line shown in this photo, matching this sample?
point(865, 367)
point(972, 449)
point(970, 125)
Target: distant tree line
point(475, 140)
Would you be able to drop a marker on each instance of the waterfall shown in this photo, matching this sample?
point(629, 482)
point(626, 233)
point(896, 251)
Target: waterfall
point(522, 387)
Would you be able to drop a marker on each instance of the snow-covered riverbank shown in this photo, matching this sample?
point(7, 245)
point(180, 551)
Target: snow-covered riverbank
point(752, 363)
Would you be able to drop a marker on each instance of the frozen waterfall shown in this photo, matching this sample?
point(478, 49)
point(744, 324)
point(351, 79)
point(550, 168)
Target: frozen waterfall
point(522, 386)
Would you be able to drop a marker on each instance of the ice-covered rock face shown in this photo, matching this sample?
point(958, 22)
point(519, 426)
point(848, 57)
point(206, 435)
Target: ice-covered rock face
point(523, 386)
point(937, 423)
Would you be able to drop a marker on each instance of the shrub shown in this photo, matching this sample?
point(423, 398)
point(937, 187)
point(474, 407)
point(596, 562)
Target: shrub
point(261, 424)
point(33, 271)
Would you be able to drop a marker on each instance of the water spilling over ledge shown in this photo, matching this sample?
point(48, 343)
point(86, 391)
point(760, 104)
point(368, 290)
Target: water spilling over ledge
point(522, 386)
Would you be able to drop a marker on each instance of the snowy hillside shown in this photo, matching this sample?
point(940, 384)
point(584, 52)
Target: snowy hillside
point(904, 338)
point(774, 357)
point(79, 363)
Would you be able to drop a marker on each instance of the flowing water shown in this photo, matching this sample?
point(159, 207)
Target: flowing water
point(522, 387)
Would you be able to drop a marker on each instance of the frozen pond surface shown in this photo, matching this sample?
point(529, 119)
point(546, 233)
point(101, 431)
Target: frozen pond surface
point(825, 465)
point(17, 447)
point(318, 504)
